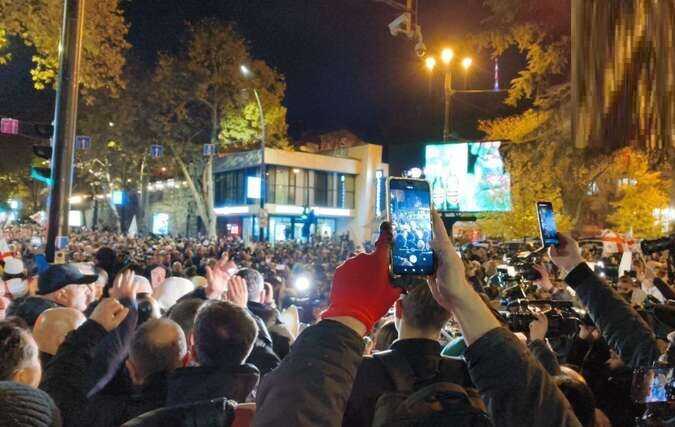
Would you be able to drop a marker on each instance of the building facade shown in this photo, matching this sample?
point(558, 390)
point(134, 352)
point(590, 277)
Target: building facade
point(337, 192)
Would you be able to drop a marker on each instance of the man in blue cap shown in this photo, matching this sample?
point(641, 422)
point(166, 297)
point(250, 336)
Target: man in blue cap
point(60, 285)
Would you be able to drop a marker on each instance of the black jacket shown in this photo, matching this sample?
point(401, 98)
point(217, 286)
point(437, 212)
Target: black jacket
point(372, 380)
point(194, 384)
point(112, 410)
point(621, 326)
point(65, 376)
point(281, 344)
point(312, 385)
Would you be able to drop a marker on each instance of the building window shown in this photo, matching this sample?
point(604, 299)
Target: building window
point(345, 191)
point(321, 188)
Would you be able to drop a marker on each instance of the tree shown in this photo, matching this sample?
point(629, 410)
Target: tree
point(38, 23)
point(119, 155)
point(530, 182)
point(200, 96)
point(640, 192)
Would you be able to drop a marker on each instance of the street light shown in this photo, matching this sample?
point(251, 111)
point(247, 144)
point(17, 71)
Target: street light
point(446, 55)
point(466, 64)
point(246, 72)
point(430, 63)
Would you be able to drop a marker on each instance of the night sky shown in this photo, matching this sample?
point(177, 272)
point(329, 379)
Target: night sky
point(343, 69)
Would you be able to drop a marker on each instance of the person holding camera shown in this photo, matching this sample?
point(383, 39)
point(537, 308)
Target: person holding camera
point(312, 385)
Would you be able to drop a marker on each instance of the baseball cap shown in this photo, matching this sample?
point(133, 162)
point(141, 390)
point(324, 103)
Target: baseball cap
point(58, 276)
point(13, 266)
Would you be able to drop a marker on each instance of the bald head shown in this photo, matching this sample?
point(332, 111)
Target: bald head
point(159, 345)
point(52, 326)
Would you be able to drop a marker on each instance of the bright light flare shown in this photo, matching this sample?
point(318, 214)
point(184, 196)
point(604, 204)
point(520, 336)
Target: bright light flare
point(430, 63)
point(446, 55)
point(302, 284)
point(466, 63)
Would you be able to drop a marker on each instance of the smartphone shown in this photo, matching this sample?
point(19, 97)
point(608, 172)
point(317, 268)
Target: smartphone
point(652, 385)
point(409, 202)
point(547, 228)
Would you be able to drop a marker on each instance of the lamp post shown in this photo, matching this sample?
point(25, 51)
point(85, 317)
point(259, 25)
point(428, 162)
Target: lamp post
point(247, 73)
point(446, 57)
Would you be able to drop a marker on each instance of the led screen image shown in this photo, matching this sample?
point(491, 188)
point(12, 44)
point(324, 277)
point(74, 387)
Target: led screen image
point(468, 177)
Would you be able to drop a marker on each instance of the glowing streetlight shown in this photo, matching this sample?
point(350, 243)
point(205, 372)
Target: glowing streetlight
point(466, 63)
point(446, 55)
point(430, 63)
point(245, 70)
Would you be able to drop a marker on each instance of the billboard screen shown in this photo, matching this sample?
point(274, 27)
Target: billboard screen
point(468, 177)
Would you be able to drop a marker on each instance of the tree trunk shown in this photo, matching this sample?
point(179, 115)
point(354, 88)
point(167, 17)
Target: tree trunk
point(142, 200)
point(200, 201)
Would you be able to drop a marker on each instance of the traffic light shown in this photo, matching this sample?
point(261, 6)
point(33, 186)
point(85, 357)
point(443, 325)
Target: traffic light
point(42, 174)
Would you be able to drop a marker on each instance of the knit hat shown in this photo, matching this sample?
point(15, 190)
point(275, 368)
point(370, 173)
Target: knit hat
point(25, 406)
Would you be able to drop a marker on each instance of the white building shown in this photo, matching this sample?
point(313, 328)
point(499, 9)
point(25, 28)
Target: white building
point(343, 189)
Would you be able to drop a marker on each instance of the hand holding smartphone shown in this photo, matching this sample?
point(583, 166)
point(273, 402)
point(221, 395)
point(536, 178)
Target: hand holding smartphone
point(548, 231)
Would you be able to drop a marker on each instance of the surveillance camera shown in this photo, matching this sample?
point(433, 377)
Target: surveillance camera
point(400, 25)
point(420, 49)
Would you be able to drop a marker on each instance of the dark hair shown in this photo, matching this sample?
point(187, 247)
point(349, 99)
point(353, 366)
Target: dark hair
point(385, 336)
point(184, 313)
point(421, 311)
point(224, 334)
point(152, 352)
point(14, 348)
point(580, 397)
point(255, 282)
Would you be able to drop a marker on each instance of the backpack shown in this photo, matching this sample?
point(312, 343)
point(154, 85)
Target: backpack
point(425, 402)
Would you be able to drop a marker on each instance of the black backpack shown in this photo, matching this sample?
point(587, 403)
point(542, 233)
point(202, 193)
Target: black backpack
point(425, 402)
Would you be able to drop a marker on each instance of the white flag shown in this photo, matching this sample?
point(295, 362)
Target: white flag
point(133, 228)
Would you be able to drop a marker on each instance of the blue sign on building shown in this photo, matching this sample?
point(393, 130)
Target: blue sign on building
point(209, 149)
point(156, 151)
point(82, 142)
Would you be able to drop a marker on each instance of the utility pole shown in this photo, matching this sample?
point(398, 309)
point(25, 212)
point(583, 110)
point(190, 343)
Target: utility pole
point(447, 116)
point(65, 122)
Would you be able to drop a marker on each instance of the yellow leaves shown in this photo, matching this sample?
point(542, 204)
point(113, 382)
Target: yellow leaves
point(640, 192)
point(38, 24)
point(514, 128)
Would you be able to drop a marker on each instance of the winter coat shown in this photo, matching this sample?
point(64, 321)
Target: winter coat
point(198, 383)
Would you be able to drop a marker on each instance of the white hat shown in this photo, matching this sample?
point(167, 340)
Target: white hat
point(143, 284)
point(13, 266)
point(171, 290)
point(17, 287)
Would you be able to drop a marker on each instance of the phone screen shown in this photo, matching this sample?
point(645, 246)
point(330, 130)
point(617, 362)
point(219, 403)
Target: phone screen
point(410, 216)
point(547, 228)
point(653, 385)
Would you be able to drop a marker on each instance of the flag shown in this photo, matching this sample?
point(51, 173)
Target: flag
point(133, 228)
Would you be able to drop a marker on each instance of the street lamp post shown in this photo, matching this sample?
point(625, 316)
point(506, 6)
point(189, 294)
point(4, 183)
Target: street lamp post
point(246, 72)
point(446, 57)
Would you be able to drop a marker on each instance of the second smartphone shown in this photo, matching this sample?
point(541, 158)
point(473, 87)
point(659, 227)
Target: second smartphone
point(410, 216)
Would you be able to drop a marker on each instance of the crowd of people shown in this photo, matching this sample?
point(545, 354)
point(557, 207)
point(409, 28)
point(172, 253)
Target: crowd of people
point(177, 331)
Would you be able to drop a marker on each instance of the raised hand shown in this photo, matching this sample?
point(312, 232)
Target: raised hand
point(109, 313)
point(237, 292)
point(218, 277)
point(124, 285)
point(545, 281)
point(539, 327)
point(566, 255)
point(450, 279)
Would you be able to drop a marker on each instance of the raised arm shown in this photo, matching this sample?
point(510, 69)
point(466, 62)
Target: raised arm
point(313, 383)
point(621, 326)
